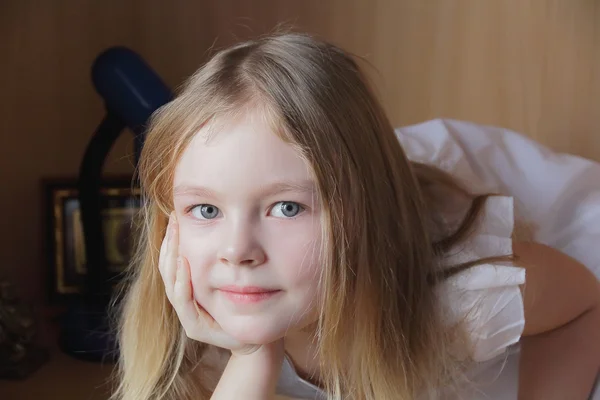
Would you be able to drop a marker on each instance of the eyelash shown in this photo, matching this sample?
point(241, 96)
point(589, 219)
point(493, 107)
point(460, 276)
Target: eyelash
point(304, 208)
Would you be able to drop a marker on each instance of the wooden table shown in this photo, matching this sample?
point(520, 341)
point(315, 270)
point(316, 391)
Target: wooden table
point(61, 378)
point(64, 378)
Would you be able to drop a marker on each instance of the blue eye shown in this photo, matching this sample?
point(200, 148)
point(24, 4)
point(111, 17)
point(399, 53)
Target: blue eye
point(205, 211)
point(286, 209)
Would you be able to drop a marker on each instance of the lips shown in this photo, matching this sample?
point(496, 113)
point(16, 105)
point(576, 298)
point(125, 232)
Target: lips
point(248, 294)
point(246, 289)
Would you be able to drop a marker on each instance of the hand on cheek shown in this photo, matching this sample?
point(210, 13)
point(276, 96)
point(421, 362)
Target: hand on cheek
point(196, 322)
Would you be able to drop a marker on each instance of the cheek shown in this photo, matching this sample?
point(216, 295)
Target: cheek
point(198, 256)
point(306, 278)
point(298, 265)
point(303, 262)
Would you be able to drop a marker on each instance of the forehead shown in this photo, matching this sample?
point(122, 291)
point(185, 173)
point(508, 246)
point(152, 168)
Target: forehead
point(243, 152)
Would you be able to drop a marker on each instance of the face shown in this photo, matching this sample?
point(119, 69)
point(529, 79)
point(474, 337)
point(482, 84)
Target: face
point(250, 229)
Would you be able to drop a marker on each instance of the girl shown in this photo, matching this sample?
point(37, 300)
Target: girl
point(289, 246)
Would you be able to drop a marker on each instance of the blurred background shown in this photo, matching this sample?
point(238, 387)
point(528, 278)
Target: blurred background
point(529, 65)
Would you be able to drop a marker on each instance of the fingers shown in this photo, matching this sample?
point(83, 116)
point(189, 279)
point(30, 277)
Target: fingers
point(172, 252)
point(197, 323)
point(163, 247)
point(189, 313)
point(175, 272)
point(163, 252)
point(168, 255)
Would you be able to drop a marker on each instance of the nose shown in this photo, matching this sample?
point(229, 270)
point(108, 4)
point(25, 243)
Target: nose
point(241, 247)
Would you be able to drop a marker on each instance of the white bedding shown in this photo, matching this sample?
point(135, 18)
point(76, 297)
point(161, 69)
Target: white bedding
point(557, 195)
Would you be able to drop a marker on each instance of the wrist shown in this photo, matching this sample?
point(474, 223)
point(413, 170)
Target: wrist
point(264, 362)
point(251, 375)
point(267, 354)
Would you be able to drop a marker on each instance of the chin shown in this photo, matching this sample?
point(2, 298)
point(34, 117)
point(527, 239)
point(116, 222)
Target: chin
point(253, 330)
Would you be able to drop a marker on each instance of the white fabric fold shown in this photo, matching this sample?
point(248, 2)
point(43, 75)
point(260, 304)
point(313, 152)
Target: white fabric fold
point(487, 297)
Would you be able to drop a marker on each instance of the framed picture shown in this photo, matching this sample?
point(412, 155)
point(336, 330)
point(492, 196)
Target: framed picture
point(65, 239)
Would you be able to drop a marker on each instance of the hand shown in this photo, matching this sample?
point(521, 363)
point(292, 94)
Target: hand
point(197, 323)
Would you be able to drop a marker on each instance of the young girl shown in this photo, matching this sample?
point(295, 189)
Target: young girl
point(289, 246)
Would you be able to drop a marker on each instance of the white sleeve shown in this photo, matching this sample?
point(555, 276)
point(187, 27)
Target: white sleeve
point(487, 297)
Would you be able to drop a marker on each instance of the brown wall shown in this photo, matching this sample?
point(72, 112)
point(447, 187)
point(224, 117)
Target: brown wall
point(530, 65)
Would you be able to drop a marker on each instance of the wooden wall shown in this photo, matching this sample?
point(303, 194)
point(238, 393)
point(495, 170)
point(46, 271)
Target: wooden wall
point(529, 65)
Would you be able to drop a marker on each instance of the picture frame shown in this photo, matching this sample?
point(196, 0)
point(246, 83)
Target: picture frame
point(64, 231)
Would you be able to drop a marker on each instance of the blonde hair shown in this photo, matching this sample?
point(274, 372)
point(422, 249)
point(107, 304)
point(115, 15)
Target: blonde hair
point(382, 222)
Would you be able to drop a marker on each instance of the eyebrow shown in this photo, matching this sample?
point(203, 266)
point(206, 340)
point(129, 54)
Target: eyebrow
point(304, 186)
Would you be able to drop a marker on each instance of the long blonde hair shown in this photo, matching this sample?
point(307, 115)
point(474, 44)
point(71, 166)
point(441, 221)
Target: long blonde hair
point(383, 227)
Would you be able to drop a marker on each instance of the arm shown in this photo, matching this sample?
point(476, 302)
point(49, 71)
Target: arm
point(561, 341)
point(251, 376)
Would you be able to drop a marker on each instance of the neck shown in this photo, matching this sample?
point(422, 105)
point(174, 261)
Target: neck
point(301, 348)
